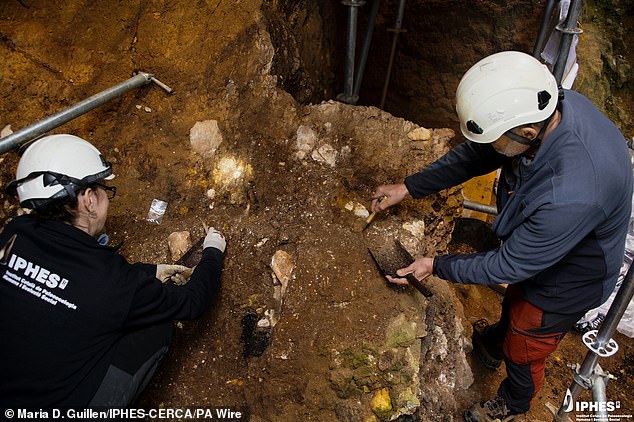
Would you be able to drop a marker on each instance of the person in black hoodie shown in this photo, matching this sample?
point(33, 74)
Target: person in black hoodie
point(80, 326)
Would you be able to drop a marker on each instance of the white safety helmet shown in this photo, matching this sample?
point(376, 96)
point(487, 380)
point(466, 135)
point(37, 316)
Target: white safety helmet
point(503, 91)
point(55, 167)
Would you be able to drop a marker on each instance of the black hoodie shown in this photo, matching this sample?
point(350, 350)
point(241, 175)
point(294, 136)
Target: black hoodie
point(65, 301)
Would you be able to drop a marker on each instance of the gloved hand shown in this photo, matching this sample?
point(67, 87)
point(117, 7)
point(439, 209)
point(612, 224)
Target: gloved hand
point(215, 239)
point(177, 273)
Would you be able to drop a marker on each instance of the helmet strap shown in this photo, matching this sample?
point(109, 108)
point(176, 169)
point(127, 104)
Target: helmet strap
point(539, 138)
point(535, 142)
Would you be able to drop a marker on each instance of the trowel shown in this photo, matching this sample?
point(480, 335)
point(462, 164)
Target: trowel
point(391, 258)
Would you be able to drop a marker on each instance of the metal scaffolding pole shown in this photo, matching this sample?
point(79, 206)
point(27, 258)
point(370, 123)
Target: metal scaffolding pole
point(544, 29)
point(398, 28)
point(600, 344)
point(476, 206)
point(36, 129)
point(348, 89)
point(568, 29)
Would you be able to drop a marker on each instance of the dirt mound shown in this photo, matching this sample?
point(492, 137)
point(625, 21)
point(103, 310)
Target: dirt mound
point(277, 176)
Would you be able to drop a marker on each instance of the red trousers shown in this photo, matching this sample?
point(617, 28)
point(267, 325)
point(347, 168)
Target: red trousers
point(524, 337)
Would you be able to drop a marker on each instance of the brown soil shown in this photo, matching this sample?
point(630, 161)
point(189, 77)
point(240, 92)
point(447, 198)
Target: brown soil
point(218, 56)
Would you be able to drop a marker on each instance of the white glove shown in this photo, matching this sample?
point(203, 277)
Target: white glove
point(215, 239)
point(176, 273)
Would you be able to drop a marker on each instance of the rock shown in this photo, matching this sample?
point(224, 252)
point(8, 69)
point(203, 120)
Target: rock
point(420, 134)
point(381, 404)
point(325, 154)
point(232, 178)
point(205, 137)
point(306, 140)
point(352, 412)
point(401, 332)
point(361, 211)
point(358, 209)
point(6, 131)
point(407, 401)
point(342, 383)
point(179, 243)
point(416, 228)
point(440, 348)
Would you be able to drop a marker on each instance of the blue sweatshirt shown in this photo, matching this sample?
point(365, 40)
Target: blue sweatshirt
point(563, 216)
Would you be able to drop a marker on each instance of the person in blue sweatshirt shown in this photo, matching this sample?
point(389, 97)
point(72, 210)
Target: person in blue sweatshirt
point(563, 200)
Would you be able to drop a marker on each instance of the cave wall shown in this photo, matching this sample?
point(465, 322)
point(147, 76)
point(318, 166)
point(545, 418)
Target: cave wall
point(444, 38)
point(304, 34)
point(606, 59)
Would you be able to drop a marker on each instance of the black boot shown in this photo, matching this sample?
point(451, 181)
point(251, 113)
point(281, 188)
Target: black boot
point(480, 330)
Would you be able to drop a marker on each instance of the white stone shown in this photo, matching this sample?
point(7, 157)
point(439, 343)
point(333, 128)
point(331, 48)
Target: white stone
point(179, 243)
point(416, 228)
point(361, 211)
point(306, 140)
point(325, 154)
point(6, 131)
point(205, 137)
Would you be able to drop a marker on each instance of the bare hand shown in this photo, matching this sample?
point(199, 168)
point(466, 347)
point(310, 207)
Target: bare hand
point(391, 194)
point(420, 269)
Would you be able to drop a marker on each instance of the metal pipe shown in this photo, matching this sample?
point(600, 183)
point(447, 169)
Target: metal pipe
point(569, 30)
point(374, 10)
point(545, 27)
point(611, 321)
point(353, 12)
point(475, 206)
point(397, 30)
point(599, 396)
point(36, 129)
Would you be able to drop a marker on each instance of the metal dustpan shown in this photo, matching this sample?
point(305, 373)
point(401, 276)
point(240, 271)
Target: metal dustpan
point(193, 255)
point(391, 258)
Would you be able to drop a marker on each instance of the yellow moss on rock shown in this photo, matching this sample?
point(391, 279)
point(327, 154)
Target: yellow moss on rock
point(381, 404)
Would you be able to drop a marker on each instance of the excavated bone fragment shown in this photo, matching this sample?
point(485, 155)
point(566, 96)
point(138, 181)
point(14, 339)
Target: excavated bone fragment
point(282, 266)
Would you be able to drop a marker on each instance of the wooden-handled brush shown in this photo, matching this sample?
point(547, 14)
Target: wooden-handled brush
point(371, 216)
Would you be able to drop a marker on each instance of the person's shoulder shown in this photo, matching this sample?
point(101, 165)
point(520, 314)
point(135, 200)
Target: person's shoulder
point(575, 97)
point(19, 223)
